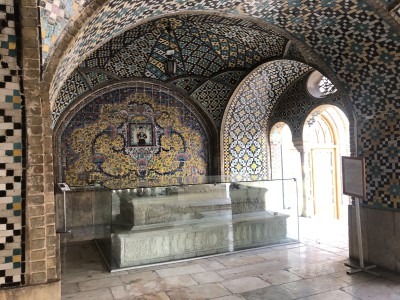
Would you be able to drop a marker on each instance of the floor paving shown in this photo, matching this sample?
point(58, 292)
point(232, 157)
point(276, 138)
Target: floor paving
point(312, 269)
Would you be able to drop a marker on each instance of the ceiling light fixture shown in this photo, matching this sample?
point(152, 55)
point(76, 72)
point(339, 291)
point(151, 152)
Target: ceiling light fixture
point(170, 63)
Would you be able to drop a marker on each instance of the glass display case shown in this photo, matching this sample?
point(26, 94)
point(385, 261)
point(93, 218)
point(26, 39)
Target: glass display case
point(147, 225)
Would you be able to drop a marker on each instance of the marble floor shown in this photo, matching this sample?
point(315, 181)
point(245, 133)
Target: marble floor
point(312, 270)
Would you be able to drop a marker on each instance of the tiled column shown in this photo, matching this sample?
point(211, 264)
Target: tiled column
point(11, 149)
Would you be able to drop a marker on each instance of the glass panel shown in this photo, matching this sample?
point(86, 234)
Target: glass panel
point(164, 223)
point(102, 215)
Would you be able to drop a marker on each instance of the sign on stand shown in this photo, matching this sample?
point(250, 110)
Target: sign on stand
point(353, 175)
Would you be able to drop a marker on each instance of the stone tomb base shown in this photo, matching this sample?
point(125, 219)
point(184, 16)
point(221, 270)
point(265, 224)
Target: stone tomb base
point(158, 225)
point(219, 234)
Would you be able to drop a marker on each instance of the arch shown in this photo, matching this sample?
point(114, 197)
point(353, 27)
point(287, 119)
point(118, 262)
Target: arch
point(326, 139)
point(96, 140)
point(309, 33)
point(339, 40)
point(285, 162)
point(280, 144)
point(244, 140)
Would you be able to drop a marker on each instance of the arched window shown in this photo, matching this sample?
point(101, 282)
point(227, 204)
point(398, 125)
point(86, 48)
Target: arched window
point(319, 86)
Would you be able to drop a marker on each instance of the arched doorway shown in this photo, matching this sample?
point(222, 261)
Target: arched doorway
point(326, 137)
point(285, 161)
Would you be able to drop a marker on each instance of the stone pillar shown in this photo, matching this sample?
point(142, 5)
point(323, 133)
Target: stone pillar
point(41, 240)
point(305, 167)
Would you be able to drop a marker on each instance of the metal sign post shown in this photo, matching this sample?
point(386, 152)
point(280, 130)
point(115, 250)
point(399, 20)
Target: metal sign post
point(64, 188)
point(361, 268)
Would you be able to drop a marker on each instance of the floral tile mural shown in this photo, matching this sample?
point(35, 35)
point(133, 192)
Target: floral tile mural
point(129, 136)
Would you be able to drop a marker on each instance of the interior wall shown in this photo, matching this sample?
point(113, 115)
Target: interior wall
point(357, 49)
point(244, 127)
point(12, 175)
point(138, 133)
point(360, 48)
point(294, 106)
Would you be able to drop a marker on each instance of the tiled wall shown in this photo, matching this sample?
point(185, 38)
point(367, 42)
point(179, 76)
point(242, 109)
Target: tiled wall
point(296, 103)
point(245, 129)
point(98, 142)
point(54, 17)
point(205, 46)
point(11, 155)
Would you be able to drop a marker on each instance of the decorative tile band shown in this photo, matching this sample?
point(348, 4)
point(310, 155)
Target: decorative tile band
point(11, 156)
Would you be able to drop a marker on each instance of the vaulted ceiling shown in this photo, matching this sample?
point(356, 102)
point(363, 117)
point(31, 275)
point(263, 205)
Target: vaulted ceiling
point(213, 53)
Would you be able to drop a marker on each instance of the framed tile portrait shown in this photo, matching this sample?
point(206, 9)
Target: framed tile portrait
point(141, 135)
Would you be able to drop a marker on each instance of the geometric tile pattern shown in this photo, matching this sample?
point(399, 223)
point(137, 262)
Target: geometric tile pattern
point(213, 97)
point(97, 141)
point(68, 93)
point(11, 154)
point(230, 77)
point(381, 147)
point(96, 79)
point(245, 129)
point(352, 39)
point(188, 84)
point(295, 105)
point(204, 45)
point(295, 53)
point(54, 17)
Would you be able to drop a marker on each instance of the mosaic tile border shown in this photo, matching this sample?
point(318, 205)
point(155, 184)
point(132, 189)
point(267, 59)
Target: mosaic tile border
point(12, 153)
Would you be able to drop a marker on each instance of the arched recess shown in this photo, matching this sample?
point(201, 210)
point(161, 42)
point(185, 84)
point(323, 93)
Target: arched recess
point(337, 37)
point(133, 132)
point(244, 134)
point(326, 139)
point(285, 162)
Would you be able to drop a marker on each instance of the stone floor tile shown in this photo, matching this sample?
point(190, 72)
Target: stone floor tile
point(163, 284)
point(251, 270)
point(332, 295)
point(158, 296)
point(67, 277)
point(241, 260)
point(277, 292)
point(380, 289)
point(205, 291)
point(318, 269)
point(99, 283)
point(70, 288)
point(207, 277)
point(245, 284)
point(119, 292)
point(314, 286)
point(279, 277)
point(176, 271)
point(212, 265)
point(143, 288)
point(278, 255)
point(339, 258)
point(296, 289)
point(355, 278)
point(135, 277)
point(329, 248)
point(176, 282)
point(99, 294)
point(232, 297)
